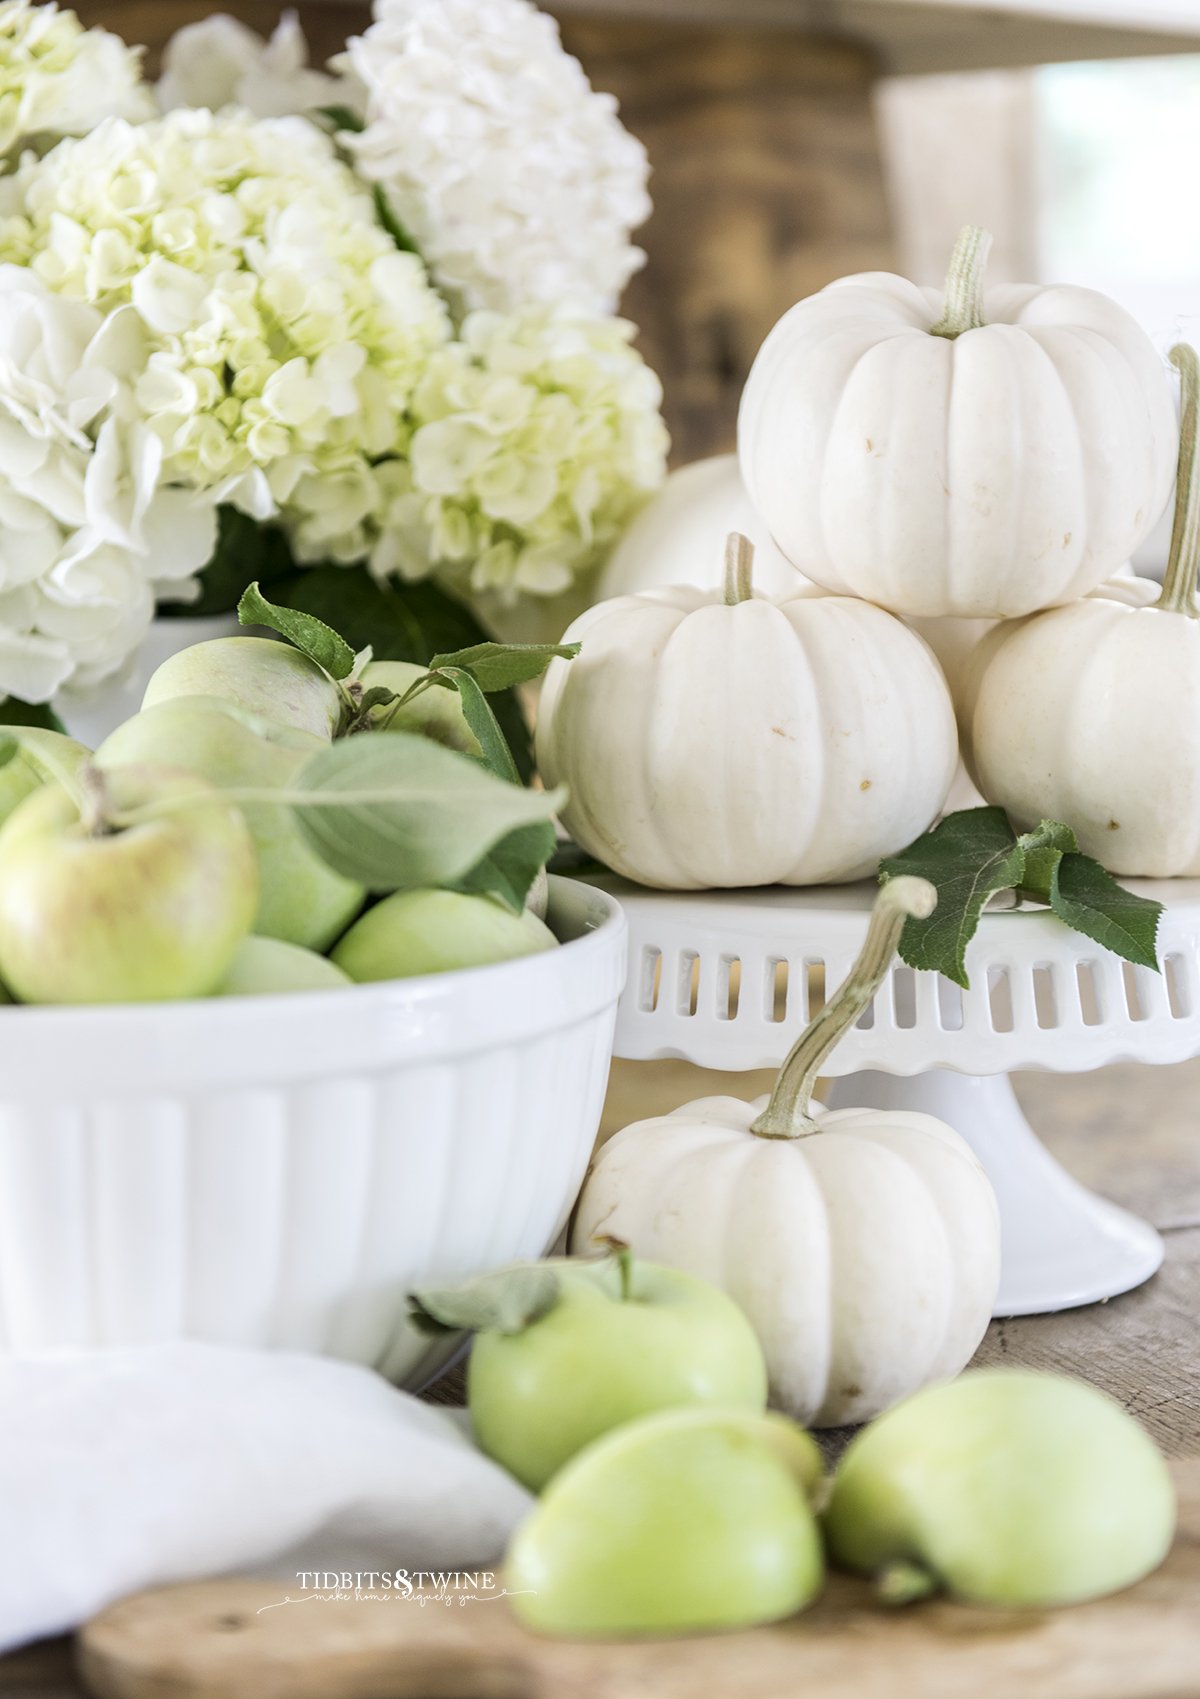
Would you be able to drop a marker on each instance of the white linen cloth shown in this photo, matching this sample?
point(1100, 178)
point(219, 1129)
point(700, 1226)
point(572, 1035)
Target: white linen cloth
point(128, 1469)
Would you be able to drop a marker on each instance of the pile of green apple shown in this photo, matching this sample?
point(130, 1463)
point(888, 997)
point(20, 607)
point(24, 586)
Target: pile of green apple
point(281, 815)
point(632, 1399)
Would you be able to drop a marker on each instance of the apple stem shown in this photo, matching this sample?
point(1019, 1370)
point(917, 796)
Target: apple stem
point(96, 812)
point(904, 1583)
point(788, 1115)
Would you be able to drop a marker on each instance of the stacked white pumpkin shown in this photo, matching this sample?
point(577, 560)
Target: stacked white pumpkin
point(953, 459)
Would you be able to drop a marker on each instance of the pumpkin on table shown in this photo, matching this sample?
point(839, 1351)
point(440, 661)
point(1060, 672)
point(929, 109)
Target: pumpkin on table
point(863, 1244)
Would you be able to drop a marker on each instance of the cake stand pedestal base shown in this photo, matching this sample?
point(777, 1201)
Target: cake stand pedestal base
point(1061, 1244)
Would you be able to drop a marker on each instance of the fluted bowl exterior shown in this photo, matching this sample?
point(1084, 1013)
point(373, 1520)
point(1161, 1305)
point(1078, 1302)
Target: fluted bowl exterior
point(281, 1171)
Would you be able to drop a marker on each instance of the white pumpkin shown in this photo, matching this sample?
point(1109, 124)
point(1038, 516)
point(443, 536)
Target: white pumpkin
point(679, 536)
point(863, 1244)
point(957, 453)
point(713, 740)
point(1091, 713)
point(956, 642)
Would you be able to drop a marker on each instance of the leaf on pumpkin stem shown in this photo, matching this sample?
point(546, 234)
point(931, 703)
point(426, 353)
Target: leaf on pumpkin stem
point(320, 642)
point(1088, 898)
point(973, 855)
point(498, 666)
point(414, 813)
point(967, 857)
point(504, 1302)
point(509, 869)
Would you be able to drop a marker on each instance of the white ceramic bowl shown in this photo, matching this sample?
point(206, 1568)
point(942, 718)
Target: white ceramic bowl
point(281, 1171)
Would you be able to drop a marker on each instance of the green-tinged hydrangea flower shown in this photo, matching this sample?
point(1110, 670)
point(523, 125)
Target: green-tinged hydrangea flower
point(59, 79)
point(279, 333)
point(535, 439)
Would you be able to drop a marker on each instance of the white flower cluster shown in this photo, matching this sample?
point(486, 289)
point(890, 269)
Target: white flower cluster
point(220, 62)
point(277, 331)
point(59, 79)
point(518, 183)
point(535, 440)
point(88, 532)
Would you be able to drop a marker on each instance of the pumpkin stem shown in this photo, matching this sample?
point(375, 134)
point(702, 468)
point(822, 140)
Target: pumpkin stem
point(739, 568)
point(963, 298)
point(1179, 580)
point(787, 1115)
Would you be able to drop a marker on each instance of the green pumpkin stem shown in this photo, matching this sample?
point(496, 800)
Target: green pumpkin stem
point(1179, 580)
point(788, 1114)
point(963, 297)
point(739, 569)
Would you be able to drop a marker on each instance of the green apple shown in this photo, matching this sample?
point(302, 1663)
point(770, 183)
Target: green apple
point(682, 1521)
point(256, 673)
point(97, 912)
point(596, 1344)
point(1006, 1487)
point(27, 771)
point(415, 932)
point(302, 900)
point(436, 713)
point(265, 966)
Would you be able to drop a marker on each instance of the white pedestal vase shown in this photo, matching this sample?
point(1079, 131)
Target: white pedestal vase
point(90, 715)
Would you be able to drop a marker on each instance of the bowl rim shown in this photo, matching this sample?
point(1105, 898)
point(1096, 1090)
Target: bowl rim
point(72, 1050)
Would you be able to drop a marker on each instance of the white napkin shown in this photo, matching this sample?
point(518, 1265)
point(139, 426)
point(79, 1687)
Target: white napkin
point(126, 1469)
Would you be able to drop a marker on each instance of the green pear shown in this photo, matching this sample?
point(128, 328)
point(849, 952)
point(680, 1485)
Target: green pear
point(256, 673)
point(265, 966)
point(415, 932)
point(27, 771)
point(1005, 1487)
point(104, 911)
point(303, 901)
point(436, 713)
point(674, 1523)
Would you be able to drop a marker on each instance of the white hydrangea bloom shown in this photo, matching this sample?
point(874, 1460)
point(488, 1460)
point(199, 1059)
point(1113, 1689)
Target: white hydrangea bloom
point(518, 183)
point(88, 534)
point(221, 62)
point(535, 440)
point(277, 331)
point(59, 79)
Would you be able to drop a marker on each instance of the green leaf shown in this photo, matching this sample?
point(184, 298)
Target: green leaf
point(393, 226)
point(499, 666)
point(320, 642)
point(497, 757)
point(247, 551)
point(1087, 897)
point(14, 712)
point(341, 117)
point(507, 872)
point(507, 1301)
point(408, 622)
point(1044, 848)
point(967, 857)
point(397, 811)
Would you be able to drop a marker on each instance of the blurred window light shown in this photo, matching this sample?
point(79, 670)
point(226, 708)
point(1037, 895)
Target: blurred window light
point(1116, 199)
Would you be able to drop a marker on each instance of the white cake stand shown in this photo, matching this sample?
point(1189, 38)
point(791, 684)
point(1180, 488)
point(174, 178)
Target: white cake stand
point(727, 980)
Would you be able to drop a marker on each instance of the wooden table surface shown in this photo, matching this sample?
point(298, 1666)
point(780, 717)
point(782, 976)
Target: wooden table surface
point(1130, 1132)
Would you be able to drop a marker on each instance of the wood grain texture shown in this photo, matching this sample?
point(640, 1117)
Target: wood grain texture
point(208, 1642)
